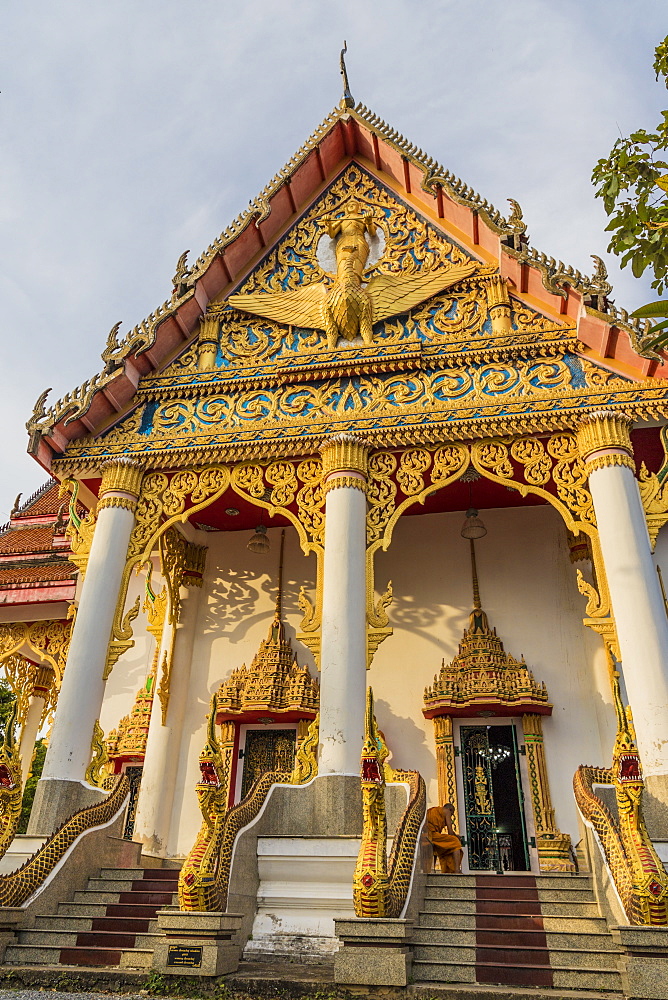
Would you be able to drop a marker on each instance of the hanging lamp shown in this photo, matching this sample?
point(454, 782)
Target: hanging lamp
point(259, 542)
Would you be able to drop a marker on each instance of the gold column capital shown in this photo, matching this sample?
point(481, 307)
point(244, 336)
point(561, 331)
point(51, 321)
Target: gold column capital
point(604, 438)
point(121, 483)
point(207, 346)
point(344, 453)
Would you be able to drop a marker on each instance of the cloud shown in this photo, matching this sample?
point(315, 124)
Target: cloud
point(134, 131)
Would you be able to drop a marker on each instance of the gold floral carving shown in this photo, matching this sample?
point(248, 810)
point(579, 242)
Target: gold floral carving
point(654, 493)
point(445, 762)
point(122, 639)
point(554, 847)
point(344, 453)
point(238, 421)
point(337, 482)
point(124, 502)
point(80, 530)
point(98, 769)
point(47, 640)
point(123, 475)
point(207, 345)
point(128, 740)
point(604, 429)
point(274, 682)
point(21, 676)
point(306, 753)
point(163, 687)
point(553, 469)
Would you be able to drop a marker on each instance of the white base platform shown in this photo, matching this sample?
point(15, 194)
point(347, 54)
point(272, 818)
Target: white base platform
point(305, 884)
point(21, 848)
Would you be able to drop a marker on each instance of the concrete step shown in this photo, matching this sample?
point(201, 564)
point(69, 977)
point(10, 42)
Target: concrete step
point(573, 924)
point(86, 896)
point(588, 979)
point(81, 909)
point(443, 972)
point(63, 922)
point(444, 922)
point(481, 991)
point(512, 955)
point(91, 956)
point(48, 939)
point(445, 952)
point(137, 958)
point(570, 910)
point(124, 874)
point(450, 892)
point(449, 906)
point(563, 881)
point(31, 954)
point(110, 885)
point(460, 936)
point(595, 941)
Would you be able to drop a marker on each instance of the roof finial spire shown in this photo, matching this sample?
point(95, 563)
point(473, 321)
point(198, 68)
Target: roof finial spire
point(347, 101)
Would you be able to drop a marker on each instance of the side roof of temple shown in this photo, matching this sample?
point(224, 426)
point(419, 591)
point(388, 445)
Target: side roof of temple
point(347, 134)
point(34, 550)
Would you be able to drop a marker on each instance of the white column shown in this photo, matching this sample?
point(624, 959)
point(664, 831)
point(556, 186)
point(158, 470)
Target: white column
point(343, 654)
point(635, 594)
point(80, 698)
point(163, 744)
point(33, 718)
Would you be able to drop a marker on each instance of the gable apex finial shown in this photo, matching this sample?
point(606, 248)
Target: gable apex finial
point(347, 101)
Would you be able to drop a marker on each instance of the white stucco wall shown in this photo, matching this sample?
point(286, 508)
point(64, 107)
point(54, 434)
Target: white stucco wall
point(529, 592)
point(236, 608)
point(528, 589)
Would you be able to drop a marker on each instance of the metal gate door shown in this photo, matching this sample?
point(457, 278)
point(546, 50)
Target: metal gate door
point(483, 851)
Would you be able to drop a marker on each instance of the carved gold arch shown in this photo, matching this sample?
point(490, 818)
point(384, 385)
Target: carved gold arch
point(528, 464)
point(48, 640)
point(397, 480)
point(166, 500)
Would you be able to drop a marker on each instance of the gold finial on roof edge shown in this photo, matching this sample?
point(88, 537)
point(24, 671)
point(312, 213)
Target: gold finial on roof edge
point(347, 101)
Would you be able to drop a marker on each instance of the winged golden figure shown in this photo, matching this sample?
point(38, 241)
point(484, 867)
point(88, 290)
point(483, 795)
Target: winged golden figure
point(347, 307)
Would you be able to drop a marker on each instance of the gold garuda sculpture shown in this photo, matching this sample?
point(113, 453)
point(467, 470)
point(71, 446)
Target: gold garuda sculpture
point(343, 306)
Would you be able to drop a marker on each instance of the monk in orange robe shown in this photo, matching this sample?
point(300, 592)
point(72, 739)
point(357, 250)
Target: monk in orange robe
point(445, 842)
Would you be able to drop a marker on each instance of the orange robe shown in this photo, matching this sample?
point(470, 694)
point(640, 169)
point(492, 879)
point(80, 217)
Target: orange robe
point(445, 844)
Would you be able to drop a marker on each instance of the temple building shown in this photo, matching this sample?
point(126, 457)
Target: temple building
point(365, 518)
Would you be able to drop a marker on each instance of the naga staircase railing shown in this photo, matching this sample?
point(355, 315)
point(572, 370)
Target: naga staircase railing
point(17, 887)
point(635, 868)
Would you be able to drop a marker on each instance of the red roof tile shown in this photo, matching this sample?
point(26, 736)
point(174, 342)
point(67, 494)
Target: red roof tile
point(18, 574)
point(23, 540)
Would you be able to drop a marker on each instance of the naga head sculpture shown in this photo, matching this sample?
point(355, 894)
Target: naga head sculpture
point(626, 765)
point(372, 771)
point(210, 762)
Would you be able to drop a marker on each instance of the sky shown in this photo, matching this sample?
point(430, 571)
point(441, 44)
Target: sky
point(131, 130)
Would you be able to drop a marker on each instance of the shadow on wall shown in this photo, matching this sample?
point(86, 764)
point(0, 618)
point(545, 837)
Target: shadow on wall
point(408, 746)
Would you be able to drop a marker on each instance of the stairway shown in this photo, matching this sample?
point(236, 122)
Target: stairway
point(110, 923)
point(514, 930)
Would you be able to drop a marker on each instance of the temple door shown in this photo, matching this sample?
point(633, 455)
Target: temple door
point(493, 799)
point(134, 774)
point(266, 750)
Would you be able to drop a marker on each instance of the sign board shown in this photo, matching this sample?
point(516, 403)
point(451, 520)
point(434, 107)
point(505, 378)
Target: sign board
point(180, 955)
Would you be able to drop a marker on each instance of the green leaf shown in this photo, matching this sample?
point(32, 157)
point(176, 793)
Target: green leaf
point(658, 308)
point(638, 265)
